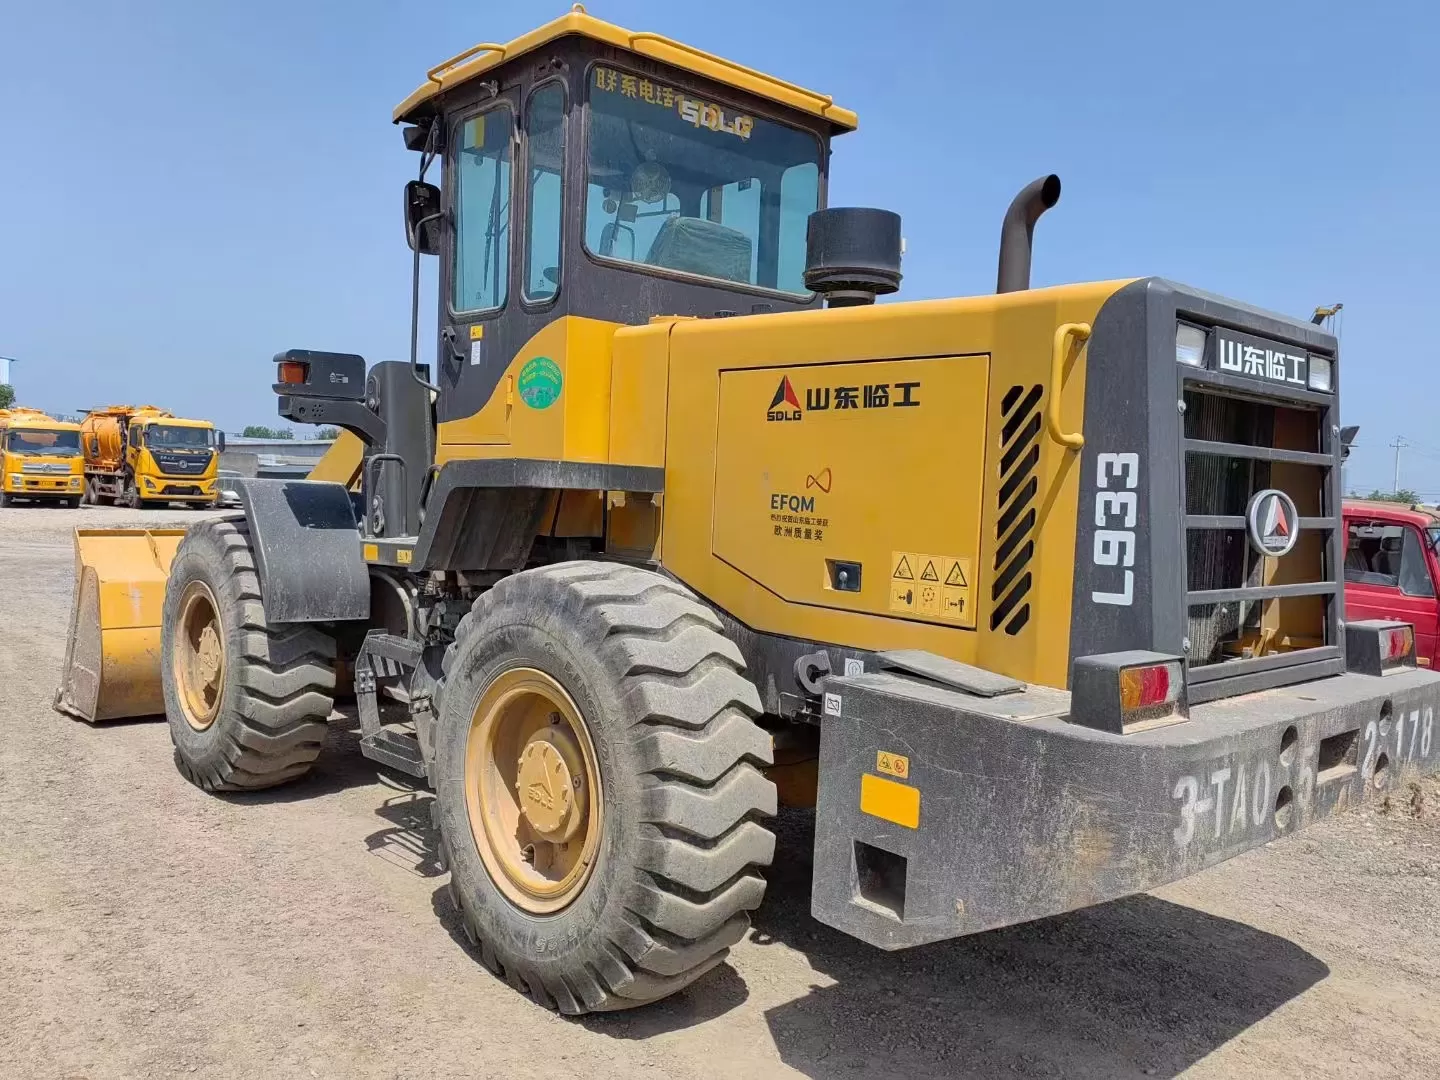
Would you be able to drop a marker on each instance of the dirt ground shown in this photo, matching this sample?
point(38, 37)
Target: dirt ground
point(149, 930)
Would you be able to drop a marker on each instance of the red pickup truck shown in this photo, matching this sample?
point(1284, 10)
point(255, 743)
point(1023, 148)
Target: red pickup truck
point(1392, 568)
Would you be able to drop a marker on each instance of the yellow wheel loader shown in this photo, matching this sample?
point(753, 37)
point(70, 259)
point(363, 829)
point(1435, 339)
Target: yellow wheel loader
point(1035, 596)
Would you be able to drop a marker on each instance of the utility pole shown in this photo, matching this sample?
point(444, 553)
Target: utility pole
point(1398, 445)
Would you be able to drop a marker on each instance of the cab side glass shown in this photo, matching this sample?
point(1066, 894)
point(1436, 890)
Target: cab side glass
point(544, 173)
point(1389, 556)
point(481, 280)
point(1414, 571)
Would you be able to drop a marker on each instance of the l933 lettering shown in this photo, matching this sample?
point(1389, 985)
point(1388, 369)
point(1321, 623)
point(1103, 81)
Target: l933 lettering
point(1117, 478)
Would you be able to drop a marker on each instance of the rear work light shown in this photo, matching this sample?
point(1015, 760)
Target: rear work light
point(1321, 375)
point(1122, 692)
point(1190, 345)
point(294, 372)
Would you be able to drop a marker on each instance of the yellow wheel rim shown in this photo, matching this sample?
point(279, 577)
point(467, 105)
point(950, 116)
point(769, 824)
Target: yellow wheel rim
point(198, 655)
point(532, 790)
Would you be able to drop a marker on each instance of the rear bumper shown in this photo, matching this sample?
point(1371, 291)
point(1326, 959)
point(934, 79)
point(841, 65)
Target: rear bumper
point(1018, 814)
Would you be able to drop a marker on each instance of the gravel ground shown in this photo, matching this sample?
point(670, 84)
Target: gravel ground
point(149, 930)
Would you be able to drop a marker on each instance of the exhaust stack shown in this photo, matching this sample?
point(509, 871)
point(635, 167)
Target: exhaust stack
point(1018, 232)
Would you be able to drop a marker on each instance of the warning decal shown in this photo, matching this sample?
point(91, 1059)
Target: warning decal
point(892, 764)
point(942, 590)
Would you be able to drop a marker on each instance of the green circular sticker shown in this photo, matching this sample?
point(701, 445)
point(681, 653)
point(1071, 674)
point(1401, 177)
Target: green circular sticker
point(540, 382)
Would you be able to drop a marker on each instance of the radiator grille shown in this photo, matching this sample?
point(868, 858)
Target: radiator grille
point(1015, 527)
point(1241, 605)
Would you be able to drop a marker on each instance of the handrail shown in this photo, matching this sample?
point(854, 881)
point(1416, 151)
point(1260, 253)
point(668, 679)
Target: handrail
point(474, 50)
point(1081, 332)
point(648, 35)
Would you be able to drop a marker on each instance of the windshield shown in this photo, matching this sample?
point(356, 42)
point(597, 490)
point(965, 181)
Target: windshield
point(40, 441)
point(1434, 533)
point(684, 184)
point(171, 437)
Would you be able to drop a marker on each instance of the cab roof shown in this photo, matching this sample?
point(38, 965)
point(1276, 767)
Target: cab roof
point(22, 416)
point(40, 423)
point(481, 58)
point(1423, 517)
point(171, 421)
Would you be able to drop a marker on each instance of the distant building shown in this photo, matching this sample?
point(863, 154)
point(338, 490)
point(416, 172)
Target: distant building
point(272, 457)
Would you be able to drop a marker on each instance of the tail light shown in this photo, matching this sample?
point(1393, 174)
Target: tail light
point(1146, 687)
point(1397, 644)
point(293, 372)
point(1376, 647)
point(1119, 692)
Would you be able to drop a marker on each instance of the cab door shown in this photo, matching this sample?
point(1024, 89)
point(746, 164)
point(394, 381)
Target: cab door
point(1389, 575)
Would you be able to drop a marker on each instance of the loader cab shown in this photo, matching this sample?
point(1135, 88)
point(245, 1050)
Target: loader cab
point(588, 171)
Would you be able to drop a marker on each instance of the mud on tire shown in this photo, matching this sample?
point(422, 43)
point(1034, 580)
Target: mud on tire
point(278, 682)
point(671, 719)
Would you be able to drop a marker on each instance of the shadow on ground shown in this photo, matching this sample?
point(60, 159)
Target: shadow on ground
point(339, 767)
point(1138, 987)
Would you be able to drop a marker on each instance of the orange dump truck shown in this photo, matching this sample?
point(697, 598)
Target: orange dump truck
point(39, 458)
point(140, 455)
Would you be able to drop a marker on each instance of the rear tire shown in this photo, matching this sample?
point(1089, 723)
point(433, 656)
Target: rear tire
point(260, 719)
point(669, 717)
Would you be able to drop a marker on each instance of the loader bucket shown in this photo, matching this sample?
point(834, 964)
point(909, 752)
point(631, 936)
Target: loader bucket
point(112, 660)
point(341, 463)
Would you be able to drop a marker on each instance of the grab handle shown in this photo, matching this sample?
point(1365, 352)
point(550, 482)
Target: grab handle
point(436, 73)
point(1080, 332)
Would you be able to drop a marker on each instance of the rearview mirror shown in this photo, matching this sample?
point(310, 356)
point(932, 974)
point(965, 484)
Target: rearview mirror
point(422, 217)
point(220, 441)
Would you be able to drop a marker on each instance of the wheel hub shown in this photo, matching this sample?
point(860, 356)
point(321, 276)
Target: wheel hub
point(207, 657)
point(199, 656)
point(548, 781)
point(532, 790)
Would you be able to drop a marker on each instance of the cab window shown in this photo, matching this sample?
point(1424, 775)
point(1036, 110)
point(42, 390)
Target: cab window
point(681, 184)
point(544, 170)
point(481, 273)
point(38, 441)
point(1390, 556)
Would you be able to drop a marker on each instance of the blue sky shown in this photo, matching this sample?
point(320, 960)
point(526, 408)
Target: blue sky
point(186, 189)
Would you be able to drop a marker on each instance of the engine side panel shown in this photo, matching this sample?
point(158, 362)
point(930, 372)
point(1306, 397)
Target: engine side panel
point(972, 476)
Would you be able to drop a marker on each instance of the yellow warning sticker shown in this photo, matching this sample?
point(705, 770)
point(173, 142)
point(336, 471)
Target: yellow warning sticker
point(933, 586)
point(403, 556)
point(893, 764)
point(477, 331)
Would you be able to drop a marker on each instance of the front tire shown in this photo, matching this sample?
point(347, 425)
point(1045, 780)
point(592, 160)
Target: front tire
point(671, 830)
point(247, 700)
